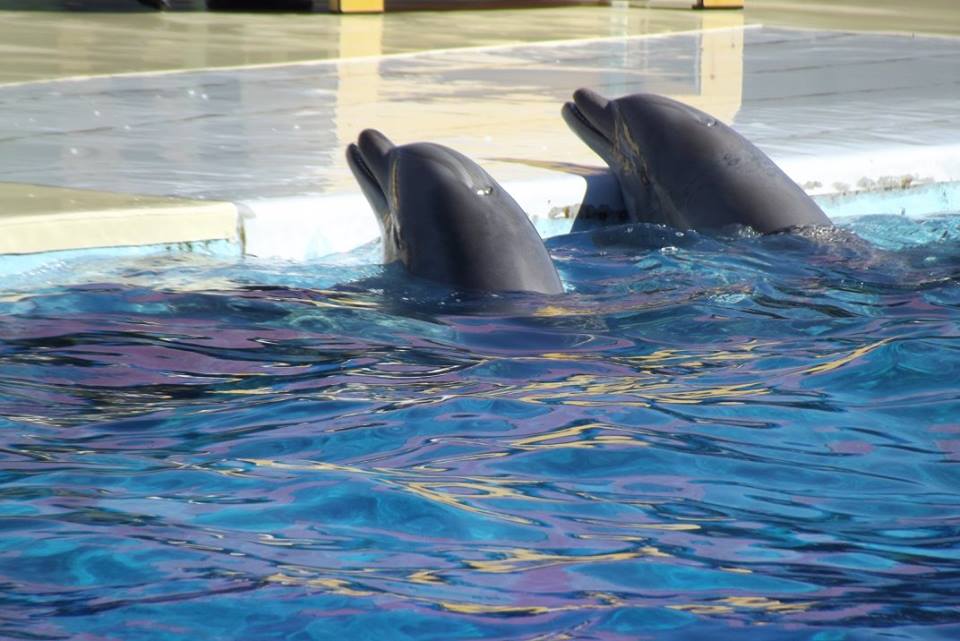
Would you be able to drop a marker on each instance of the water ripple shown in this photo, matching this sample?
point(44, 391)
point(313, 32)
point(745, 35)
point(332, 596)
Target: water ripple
point(704, 436)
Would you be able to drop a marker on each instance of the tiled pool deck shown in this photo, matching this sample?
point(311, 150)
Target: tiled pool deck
point(250, 150)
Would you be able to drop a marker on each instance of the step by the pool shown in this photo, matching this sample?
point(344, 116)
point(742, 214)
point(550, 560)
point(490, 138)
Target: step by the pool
point(36, 218)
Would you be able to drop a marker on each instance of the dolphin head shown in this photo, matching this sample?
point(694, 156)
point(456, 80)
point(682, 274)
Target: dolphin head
point(679, 166)
point(599, 123)
point(448, 220)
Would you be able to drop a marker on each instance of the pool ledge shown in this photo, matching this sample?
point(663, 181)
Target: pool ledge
point(38, 219)
point(302, 228)
point(337, 223)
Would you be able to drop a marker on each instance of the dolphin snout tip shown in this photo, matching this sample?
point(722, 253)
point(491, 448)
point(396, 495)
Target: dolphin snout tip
point(589, 98)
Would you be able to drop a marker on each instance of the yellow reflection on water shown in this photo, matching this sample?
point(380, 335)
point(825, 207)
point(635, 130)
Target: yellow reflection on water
point(558, 438)
point(424, 577)
point(647, 550)
point(336, 586)
point(519, 560)
point(604, 601)
point(723, 392)
point(591, 601)
point(763, 603)
point(648, 384)
point(737, 570)
point(849, 358)
point(587, 390)
point(440, 490)
point(437, 492)
point(333, 298)
point(522, 559)
point(483, 608)
point(743, 352)
point(733, 603)
point(671, 527)
point(312, 465)
point(252, 391)
point(209, 469)
point(516, 610)
point(700, 608)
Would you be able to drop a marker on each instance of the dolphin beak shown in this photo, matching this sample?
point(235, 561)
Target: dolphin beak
point(595, 108)
point(369, 162)
point(590, 117)
point(375, 148)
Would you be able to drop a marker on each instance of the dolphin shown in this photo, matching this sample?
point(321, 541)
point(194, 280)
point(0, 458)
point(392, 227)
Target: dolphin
point(681, 167)
point(445, 219)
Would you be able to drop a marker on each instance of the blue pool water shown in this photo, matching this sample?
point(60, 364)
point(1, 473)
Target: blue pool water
point(705, 438)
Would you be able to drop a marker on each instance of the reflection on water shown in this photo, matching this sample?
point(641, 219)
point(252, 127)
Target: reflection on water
point(699, 440)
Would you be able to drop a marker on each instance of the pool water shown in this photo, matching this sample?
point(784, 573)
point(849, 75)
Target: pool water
point(707, 437)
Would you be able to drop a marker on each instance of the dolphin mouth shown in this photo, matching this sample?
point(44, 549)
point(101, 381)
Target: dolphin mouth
point(570, 110)
point(370, 161)
point(587, 132)
point(361, 169)
point(589, 116)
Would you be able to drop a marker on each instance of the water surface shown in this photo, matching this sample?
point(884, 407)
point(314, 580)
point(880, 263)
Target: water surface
point(706, 437)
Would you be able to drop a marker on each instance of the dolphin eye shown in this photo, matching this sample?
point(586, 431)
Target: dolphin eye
point(712, 122)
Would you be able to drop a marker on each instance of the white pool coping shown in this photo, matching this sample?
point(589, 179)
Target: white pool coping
point(338, 223)
point(265, 226)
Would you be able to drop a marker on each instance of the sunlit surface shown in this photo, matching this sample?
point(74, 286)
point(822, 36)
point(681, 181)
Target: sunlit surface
point(42, 45)
point(931, 16)
point(281, 131)
point(705, 438)
point(839, 111)
point(48, 44)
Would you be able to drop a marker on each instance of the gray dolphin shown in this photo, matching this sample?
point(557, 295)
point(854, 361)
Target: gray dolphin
point(445, 219)
point(681, 167)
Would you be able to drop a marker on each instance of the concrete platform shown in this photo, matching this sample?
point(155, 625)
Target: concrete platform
point(842, 112)
point(57, 219)
point(44, 45)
